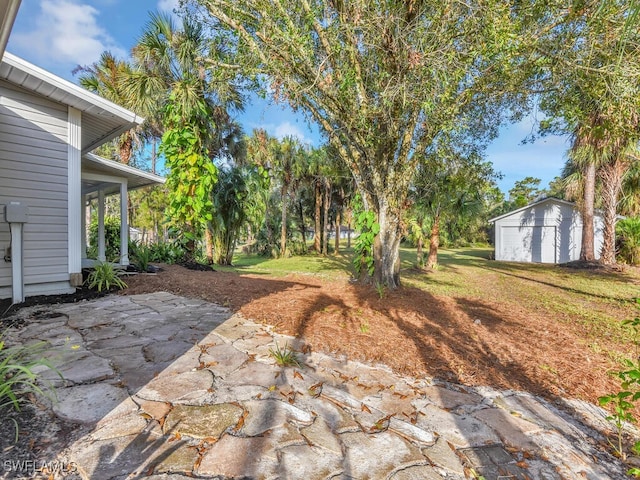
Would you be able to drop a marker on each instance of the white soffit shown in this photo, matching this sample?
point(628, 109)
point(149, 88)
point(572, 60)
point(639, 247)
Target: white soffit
point(102, 119)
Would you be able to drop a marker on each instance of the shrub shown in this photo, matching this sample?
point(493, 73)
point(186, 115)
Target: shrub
point(140, 254)
point(105, 276)
point(111, 238)
point(628, 240)
point(166, 252)
point(17, 374)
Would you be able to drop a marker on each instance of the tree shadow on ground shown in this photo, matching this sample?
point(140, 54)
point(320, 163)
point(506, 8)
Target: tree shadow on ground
point(141, 453)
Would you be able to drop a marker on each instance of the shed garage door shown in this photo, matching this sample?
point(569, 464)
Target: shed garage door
point(528, 244)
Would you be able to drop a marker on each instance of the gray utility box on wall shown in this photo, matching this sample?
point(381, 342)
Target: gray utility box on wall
point(16, 212)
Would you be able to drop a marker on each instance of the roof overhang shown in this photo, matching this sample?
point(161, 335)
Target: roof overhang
point(102, 120)
point(101, 174)
point(8, 12)
point(544, 200)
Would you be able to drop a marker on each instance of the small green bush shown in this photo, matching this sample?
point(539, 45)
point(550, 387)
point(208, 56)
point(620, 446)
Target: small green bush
point(105, 276)
point(628, 240)
point(285, 357)
point(166, 252)
point(17, 374)
point(111, 238)
point(140, 254)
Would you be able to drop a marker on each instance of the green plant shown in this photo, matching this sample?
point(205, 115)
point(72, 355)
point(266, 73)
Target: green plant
point(380, 288)
point(364, 327)
point(141, 255)
point(105, 276)
point(628, 240)
point(285, 357)
point(111, 237)
point(17, 374)
point(365, 222)
point(623, 401)
point(166, 252)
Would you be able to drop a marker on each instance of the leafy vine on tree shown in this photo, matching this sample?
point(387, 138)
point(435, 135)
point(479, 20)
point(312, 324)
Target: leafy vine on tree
point(365, 222)
point(192, 174)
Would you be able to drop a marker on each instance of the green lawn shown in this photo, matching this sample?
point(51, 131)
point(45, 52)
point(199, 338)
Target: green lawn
point(599, 301)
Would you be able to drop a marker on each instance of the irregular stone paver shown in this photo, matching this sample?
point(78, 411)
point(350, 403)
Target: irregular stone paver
point(461, 430)
point(416, 472)
point(381, 453)
point(234, 457)
point(195, 369)
point(88, 403)
point(443, 455)
point(319, 434)
point(311, 463)
point(263, 415)
point(512, 430)
point(191, 386)
point(161, 352)
point(203, 421)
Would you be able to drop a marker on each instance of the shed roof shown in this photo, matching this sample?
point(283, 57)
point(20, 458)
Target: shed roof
point(102, 120)
point(538, 202)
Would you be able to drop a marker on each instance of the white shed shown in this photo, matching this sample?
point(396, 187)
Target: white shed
point(547, 231)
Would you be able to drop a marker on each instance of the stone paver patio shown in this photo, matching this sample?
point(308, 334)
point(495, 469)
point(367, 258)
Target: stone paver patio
point(169, 387)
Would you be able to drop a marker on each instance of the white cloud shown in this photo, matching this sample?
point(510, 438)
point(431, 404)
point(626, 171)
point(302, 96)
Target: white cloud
point(168, 5)
point(67, 31)
point(288, 129)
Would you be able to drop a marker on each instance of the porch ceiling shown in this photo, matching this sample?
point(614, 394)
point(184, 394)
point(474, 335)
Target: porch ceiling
point(104, 173)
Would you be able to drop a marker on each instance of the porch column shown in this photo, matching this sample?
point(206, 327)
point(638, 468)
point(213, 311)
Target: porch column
point(124, 224)
point(102, 256)
point(83, 228)
point(74, 196)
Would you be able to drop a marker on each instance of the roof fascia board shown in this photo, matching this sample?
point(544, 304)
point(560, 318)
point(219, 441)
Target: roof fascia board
point(70, 88)
point(521, 209)
point(122, 168)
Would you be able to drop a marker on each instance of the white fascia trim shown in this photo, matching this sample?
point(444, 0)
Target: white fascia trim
point(518, 210)
point(70, 88)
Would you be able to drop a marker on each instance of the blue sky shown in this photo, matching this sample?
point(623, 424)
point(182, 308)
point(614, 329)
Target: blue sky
point(58, 35)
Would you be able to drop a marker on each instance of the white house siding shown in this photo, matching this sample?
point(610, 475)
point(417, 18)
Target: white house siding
point(549, 231)
point(33, 170)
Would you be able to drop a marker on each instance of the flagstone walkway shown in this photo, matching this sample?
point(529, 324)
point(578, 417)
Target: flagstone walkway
point(170, 388)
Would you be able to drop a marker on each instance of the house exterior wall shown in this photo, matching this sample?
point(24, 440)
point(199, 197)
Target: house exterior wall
point(34, 170)
point(546, 232)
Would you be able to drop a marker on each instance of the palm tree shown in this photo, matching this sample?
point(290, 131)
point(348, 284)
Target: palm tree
point(108, 78)
point(173, 82)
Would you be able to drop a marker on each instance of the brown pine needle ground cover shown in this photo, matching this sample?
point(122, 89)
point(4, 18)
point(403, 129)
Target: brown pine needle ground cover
point(549, 330)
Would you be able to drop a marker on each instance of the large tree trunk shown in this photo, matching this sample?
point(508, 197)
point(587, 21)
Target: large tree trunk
point(126, 147)
point(208, 240)
point(419, 253)
point(317, 237)
point(587, 253)
point(434, 243)
point(325, 220)
point(283, 228)
point(303, 227)
point(611, 175)
point(336, 246)
point(386, 247)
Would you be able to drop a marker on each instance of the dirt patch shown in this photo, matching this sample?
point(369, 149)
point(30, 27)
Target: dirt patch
point(474, 341)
